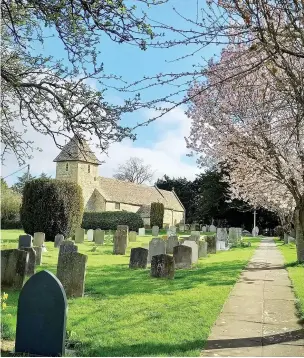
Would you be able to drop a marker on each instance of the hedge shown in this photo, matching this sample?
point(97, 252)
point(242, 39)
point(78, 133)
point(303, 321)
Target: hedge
point(108, 220)
point(157, 214)
point(51, 206)
point(10, 224)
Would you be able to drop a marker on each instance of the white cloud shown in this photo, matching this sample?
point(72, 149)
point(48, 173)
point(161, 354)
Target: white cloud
point(164, 152)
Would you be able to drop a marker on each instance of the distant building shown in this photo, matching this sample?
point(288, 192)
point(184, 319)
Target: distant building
point(77, 163)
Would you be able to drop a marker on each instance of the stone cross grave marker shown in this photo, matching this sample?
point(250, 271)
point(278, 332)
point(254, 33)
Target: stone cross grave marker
point(141, 231)
point(171, 242)
point(99, 236)
point(79, 235)
point(138, 258)
point(39, 238)
point(162, 266)
point(132, 236)
point(31, 265)
point(67, 246)
point(90, 234)
point(25, 241)
point(182, 256)
point(58, 240)
point(194, 248)
point(13, 268)
point(255, 231)
point(202, 248)
point(71, 270)
point(155, 231)
point(120, 241)
point(41, 317)
point(156, 247)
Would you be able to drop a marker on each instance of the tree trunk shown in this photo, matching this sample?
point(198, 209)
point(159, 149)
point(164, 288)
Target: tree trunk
point(299, 226)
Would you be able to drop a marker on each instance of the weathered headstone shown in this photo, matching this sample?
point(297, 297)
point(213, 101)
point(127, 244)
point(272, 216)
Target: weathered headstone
point(156, 247)
point(79, 235)
point(67, 246)
point(71, 270)
point(120, 241)
point(155, 231)
point(13, 268)
point(138, 257)
point(182, 256)
point(124, 228)
point(171, 242)
point(162, 266)
point(41, 317)
point(194, 248)
point(212, 228)
point(211, 240)
point(99, 236)
point(233, 235)
point(90, 234)
point(31, 265)
point(25, 241)
point(58, 240)
point(141, 231)
point(38, 251)
point(202, 248)
point(132, 236)
point(39, 238)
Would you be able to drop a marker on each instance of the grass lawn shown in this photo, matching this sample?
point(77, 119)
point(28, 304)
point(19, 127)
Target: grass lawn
point(296, 273)
point(127, 313)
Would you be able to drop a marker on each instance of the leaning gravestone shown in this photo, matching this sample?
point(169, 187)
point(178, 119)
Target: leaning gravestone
point(99, 236)
point(25, 241)
point(79, 235)
point(58, 240)
point(41, 317)
point(211, 240)
point(155, 231)
point(120, 242)
point(162, 266)
point(71, 270)
point(138, 258)
point(31, 265)
point(132, 236)
point(156, 247)
point(13, 268)
point(212, 228)
point(171, 242)
point(194, 248)
point(141, 231)
point(182, 256)
point(90, 234)
point(38, 251)
point(67, 246)
point(39, 238)
point(202, 248)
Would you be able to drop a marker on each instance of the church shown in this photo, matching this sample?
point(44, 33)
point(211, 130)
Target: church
point(77, 163)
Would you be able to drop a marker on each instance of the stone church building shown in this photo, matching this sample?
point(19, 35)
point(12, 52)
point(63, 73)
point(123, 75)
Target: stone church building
point(77, 163)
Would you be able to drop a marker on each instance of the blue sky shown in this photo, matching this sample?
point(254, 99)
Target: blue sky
point(162, 143)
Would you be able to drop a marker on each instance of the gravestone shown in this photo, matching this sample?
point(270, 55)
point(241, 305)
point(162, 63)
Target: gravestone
point(182, 228)
point(120, 242)
point(39, 238)
point(221, 238)
point(233, 235)
point(255, 231)
point(155, 231)
point(202, 249)
point(171, 242)
point(79, 235)
point(13, 268)
point(193, 227)
point(196, 234)
point(25, 241)
point(31, 265)
point(90, 234)
point(220, 245)
point(138, 258)
point(38, 251)
point(182, 256)
point(99, 236)
point(212, 228)
point(162, 266)
point(41, 317)
point(141, 231)
point(124, 228)
point(211, 240)
point(171, 231)
point(194, 248)
point(156, 247)
point(71, 270)
point(204, 229)
point(132, 236)
point(67, 246)
point(58, 240)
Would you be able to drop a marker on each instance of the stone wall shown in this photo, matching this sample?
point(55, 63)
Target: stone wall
point(110, 206)
point(172, 217)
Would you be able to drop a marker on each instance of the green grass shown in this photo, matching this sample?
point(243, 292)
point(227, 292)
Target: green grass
point(127, 313)
point(296, 273)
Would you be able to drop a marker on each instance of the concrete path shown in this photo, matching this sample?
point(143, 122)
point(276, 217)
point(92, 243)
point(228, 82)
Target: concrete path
point(259, 317)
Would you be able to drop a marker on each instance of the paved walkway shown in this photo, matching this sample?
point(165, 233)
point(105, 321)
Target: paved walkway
point(258, 319)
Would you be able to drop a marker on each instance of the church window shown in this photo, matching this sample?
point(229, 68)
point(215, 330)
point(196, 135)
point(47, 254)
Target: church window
point(67, 167)
point(89, 168)
point(117, 206)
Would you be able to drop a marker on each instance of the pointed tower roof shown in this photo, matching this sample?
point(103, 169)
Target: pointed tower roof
point(77, 150)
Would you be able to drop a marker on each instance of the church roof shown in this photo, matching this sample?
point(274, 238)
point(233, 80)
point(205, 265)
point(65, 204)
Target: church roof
point(77, 150)
point(137, 194)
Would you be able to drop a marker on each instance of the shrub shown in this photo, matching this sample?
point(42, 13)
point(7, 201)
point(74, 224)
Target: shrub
point(157, 214)
point(11, 224)
point(10, 204)
point(51, 206)
point(108, 220)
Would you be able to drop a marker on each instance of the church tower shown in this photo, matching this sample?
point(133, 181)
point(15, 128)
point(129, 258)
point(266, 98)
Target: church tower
point(77, 163)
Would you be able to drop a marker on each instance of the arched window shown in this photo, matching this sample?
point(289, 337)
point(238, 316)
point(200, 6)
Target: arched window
point(89, 168)
point(67, 167)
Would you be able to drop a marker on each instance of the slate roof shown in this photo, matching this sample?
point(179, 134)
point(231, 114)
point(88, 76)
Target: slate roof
point(137, 194)
point(76, 150)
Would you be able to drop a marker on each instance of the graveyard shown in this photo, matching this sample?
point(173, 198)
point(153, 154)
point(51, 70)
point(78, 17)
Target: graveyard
point(126, 312)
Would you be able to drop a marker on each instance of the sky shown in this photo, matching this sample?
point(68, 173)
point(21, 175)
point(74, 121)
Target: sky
point(161, 144)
